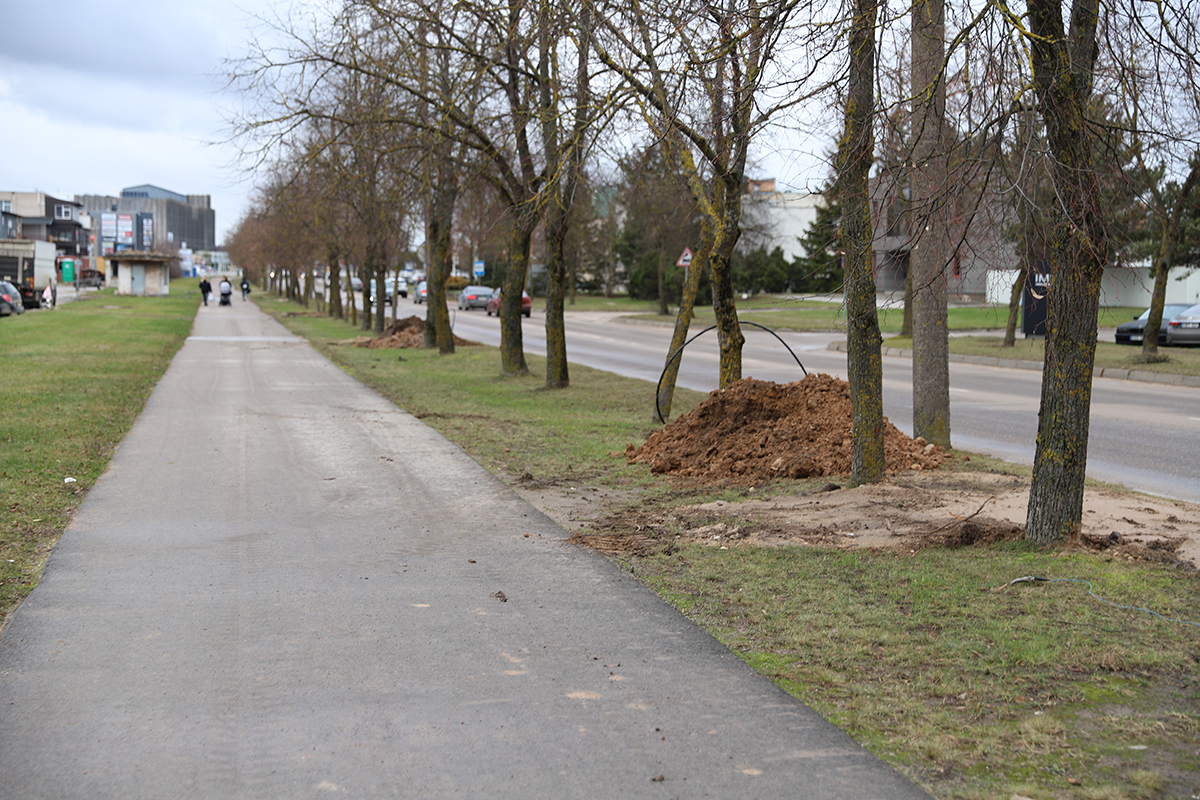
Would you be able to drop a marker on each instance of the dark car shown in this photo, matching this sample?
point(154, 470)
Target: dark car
point(1185, 328)
point(1133, 332)
point(10, 300)
point(474, 297)
point(493, 304)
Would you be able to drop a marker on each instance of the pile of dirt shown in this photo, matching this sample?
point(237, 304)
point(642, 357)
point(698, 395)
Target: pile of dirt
point(409, 333)
point(754, 430)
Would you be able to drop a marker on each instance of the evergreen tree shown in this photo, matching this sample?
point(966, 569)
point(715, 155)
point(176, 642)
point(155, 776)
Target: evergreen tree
point(821, 269)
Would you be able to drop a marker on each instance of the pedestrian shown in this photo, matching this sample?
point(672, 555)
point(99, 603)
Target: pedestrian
point(245, 288)
point(205, 289)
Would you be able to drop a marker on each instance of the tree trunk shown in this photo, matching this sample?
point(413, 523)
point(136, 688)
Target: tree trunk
point(1014, 306)
point(376, 261)
point(855, 154)
point(557, 372)
point(1162, 266)
point(927, 261)
point(720, 264)
point(1060, 461)
point(1063, 81)
point(365, 274)
point(683, 321)
point(662, 283)
point(512, 345)
point(562, 200)
point(441, 221)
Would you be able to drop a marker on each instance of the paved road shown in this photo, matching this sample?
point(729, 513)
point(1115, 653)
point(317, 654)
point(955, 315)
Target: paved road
point(1141, 435)
point(283, 587)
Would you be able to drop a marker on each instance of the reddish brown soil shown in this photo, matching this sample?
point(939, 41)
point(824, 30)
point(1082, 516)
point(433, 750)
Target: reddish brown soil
point(754, 430)
point(408, 333)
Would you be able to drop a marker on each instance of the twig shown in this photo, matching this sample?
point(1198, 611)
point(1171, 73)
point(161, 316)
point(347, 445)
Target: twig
point(964, 519)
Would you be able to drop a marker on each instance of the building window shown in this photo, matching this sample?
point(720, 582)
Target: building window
point(62, 212)
point(6, 205)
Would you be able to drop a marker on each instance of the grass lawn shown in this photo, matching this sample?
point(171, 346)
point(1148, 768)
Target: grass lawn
point(976, 691)
point(75, 380)
point(788, 313)
point(1179, 360)
point(1037, 690)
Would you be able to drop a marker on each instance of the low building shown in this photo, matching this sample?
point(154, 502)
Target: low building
point(140, 274)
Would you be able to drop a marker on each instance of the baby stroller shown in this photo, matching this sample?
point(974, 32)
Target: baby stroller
point(227, 298)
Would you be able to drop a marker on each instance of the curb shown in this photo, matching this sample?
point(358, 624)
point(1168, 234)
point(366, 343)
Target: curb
point(1192, 381)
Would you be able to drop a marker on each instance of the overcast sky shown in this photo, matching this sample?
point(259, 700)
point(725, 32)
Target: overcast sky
point(98, 96)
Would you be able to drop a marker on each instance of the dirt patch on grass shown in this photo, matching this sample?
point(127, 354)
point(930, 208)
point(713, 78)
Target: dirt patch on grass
point(904, 513)
point(756, 437)
point(753, 431)
point(403, 333)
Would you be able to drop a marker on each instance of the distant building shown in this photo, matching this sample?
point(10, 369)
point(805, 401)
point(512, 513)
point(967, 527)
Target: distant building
point(10, 225)
point(44, 218)
point(976, 245)
point(772, 218)
point(150, 218)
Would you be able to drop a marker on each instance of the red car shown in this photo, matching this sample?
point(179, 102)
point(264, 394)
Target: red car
point(493, 303)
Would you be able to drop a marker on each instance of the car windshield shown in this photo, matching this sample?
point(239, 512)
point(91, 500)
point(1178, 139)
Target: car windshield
point(1169, 311)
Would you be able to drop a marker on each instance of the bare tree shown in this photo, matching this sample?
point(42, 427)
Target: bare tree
point(1069, 47)
point(852, 191)
point(673, 53)
point(928, 257)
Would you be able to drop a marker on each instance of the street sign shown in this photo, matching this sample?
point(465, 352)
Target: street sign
point(685, 258)
point(478, 269)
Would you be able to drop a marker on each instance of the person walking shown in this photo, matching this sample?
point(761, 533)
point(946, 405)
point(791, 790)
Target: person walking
point(205, 289)
point(245, 289)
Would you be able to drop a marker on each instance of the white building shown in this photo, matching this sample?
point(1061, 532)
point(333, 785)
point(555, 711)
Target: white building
point(773, 219)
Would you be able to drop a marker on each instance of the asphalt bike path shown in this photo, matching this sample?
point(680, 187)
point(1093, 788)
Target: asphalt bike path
point(286, 587)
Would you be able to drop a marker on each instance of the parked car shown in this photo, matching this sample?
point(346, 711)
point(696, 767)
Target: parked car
point(356, 284)
point(1184, 329)
point(10, 300)
point(1132, 332)
point(389, 289)
point(474, 297)
point(422, 292)
point(493, 303)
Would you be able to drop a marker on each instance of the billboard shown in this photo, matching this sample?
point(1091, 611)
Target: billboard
point(146, 232)
point(124, 230)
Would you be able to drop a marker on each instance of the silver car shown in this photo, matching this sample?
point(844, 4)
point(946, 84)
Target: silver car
point(1184, 329)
